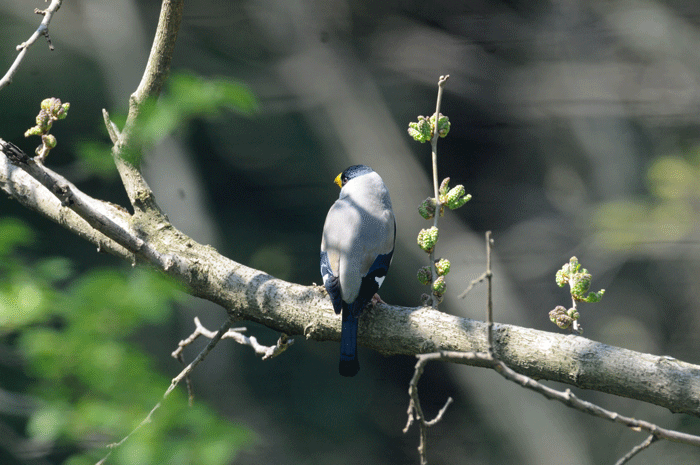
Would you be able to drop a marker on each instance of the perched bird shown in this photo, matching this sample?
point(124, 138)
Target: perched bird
point(356, 249)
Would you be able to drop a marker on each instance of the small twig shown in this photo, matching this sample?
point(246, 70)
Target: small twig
point(112, 129)
point(173, 384)
point(637, 449)
point(485, 276)
point(215, 338)
point(433, 145)
point(471, 285)
point(42, 30)
point(267, 352)
point(565, 397)
point(283, 344)
point(188, 381)
point(231, 333)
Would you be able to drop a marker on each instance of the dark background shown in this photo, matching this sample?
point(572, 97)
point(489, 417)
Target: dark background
point(558, 110)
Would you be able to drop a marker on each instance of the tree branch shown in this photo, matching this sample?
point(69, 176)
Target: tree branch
point(43, 29)
point(21, 186)
point(253, 295)
point(651, 439)
point(125, 152)
point(267, 352)
point(433, 149)
point(566, 397)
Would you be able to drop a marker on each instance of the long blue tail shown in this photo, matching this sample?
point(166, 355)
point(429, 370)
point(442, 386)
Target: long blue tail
point(349, 366)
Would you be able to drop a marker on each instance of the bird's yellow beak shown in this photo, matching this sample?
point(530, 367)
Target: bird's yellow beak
point(339, 181)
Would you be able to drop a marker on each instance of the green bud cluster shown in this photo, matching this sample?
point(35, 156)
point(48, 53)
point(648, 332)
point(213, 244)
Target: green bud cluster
point(49, 140)
point(443, 124)
point(427, 208)
point(425, 275)
point(423, 130)
point(55, 108)
point(579, 281)
point(51, 110)
point(442, 265)
point(453, 198)
point(439, 286)
point(560, 317)
point(456, 197)
point(427, 238)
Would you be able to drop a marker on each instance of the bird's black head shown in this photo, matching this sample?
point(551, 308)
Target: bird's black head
point(352, 172)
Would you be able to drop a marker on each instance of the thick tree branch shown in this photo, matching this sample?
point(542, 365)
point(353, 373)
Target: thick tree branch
point(253, 295)
point(21, 186)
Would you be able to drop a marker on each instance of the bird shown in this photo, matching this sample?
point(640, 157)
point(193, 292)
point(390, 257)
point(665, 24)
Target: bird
point(356, 251)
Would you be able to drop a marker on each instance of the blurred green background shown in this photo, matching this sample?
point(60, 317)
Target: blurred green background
point(574, 127)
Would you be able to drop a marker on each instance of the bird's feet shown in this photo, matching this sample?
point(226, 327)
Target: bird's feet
point(377, 300)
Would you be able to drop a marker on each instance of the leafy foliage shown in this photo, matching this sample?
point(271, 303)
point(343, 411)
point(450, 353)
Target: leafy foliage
point(185, 97)
point(92, 384)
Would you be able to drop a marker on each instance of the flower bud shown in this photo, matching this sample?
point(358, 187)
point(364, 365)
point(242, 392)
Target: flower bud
point(442, 266)
point(427, 208)
point(439, 286)
point(425, 275)
point(49, 140)
point(456, 198)
point(427, 238)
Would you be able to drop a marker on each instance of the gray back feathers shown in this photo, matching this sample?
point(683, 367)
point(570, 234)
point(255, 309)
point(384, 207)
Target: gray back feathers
point(360, 226)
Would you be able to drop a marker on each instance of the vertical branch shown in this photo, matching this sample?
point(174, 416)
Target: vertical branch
point(489, 293)
point(415, 412)
point(433, 145)
point(127, 156)
point(434, 140)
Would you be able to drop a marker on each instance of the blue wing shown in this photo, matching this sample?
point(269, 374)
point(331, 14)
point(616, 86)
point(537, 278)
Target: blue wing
point(331, 282)
point(371, 282)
